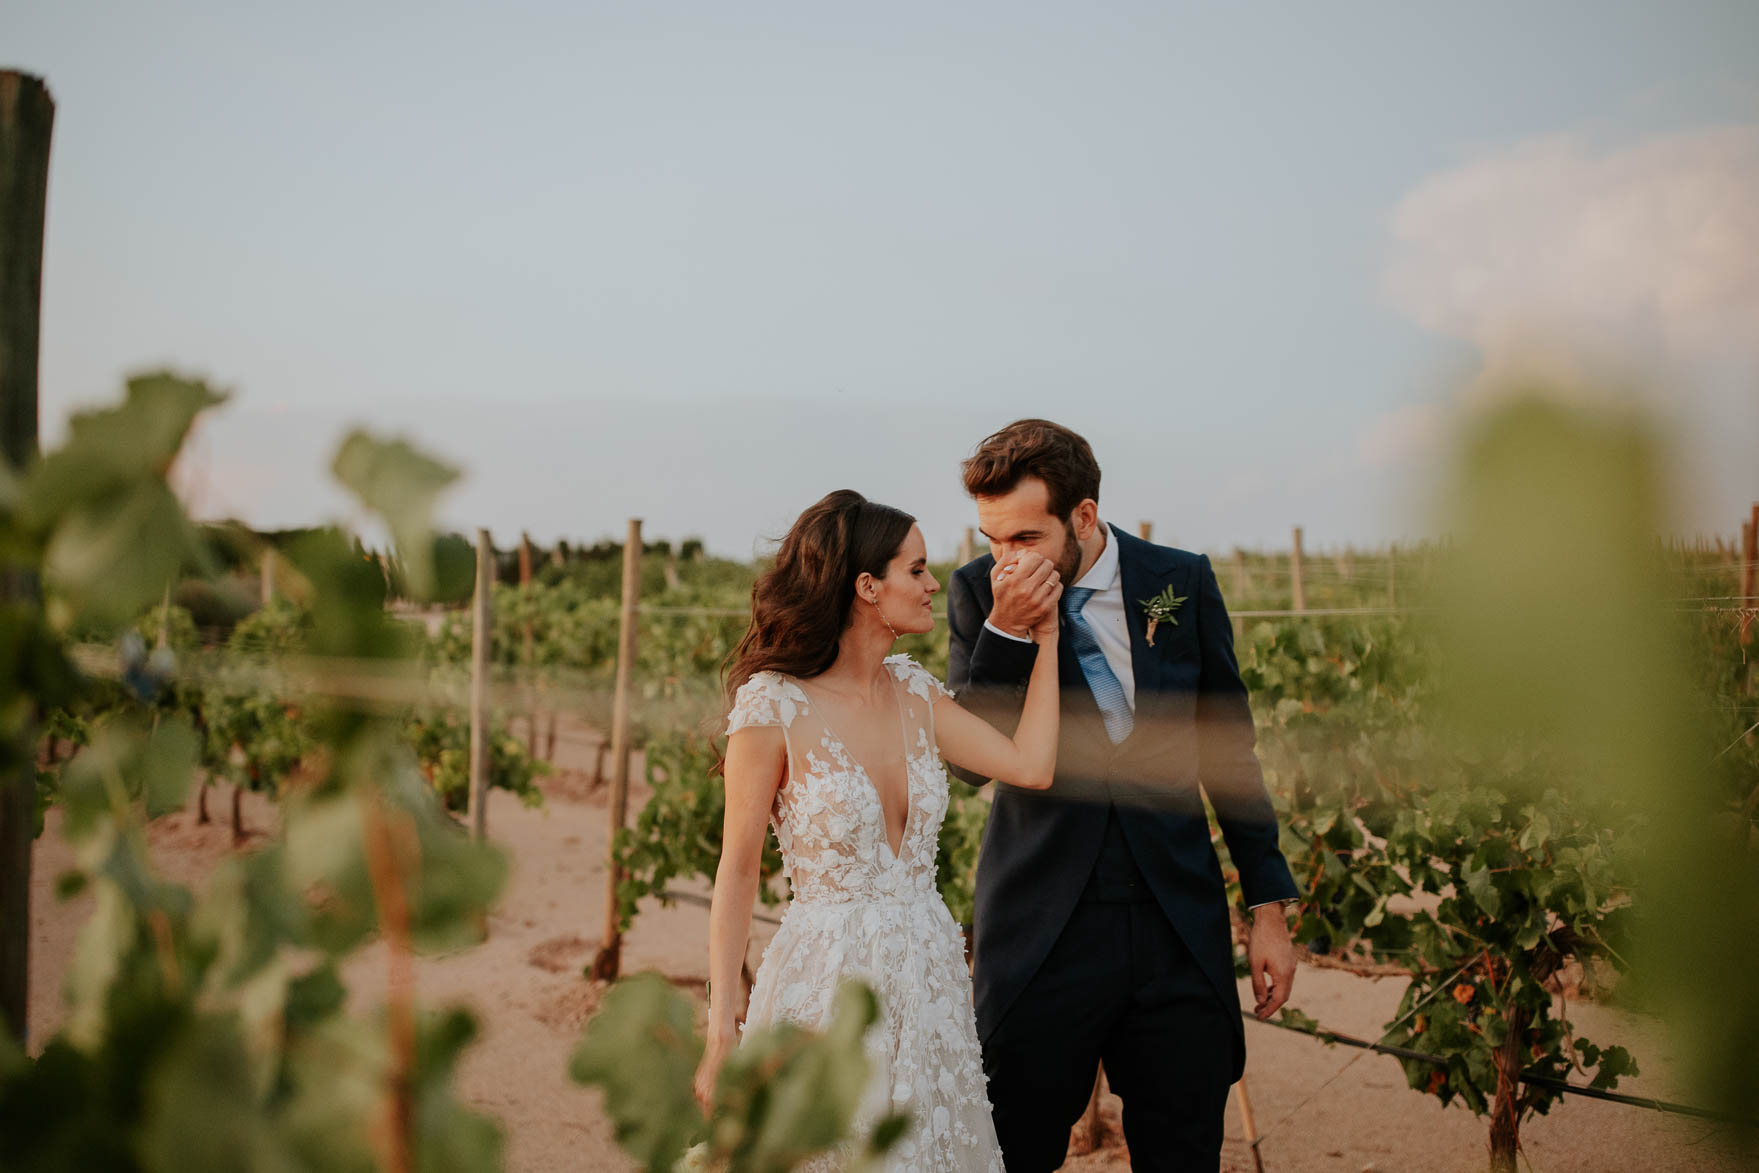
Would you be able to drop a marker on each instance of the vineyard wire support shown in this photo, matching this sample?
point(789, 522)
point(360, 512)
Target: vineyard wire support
point(27, 118)
point(1534, 1078)
point(481, 642)
point(1297, 577)
point(607, 965)
point(1249, 1124)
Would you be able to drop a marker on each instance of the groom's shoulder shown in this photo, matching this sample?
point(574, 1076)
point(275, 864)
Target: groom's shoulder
point(1158, 559)
point(977, 570)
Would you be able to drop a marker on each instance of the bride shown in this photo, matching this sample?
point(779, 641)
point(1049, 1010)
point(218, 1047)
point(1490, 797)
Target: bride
point(838, 745)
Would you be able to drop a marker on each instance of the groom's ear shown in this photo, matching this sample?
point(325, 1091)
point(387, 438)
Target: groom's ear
point(1085, 519)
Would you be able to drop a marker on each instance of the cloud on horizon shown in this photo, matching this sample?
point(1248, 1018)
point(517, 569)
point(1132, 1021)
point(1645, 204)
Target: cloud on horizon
point(1549, 251)
point(1611, 273)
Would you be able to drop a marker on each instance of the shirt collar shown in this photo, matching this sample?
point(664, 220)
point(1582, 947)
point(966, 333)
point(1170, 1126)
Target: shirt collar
point(1103, 574)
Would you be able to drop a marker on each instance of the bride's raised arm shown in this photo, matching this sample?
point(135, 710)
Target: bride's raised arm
point(1029, 758)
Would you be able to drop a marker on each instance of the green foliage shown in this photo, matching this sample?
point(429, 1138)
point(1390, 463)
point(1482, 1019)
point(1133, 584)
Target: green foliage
point(1488, 796)
point(643, 1050)
point(208, 1030)
point(114, 535)
point(400, 484)
point(177, 624)
point(441, 742)
point(956, 852)
point(1415, 844)
point(677, 834)
point(1614, 688)
point(784, 1095)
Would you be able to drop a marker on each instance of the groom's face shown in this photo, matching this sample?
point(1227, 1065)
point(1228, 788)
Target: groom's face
point(1021, 520)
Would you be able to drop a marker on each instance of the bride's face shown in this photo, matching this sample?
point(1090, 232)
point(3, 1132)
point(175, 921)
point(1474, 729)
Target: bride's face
point(906, 594)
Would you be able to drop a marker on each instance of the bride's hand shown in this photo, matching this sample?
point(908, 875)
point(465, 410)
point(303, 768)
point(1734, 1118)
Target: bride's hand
point(708, 1072)
point(1045, 630)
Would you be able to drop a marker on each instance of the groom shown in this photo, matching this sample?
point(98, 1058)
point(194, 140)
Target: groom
point(1102, 930)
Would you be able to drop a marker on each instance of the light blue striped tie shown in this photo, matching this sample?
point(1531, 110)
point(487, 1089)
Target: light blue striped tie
point(1113, 705)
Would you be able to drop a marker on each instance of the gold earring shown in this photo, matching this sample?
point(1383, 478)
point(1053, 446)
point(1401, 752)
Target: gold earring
point(883, 618)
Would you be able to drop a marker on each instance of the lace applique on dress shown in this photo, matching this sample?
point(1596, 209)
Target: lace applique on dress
point(860, 910)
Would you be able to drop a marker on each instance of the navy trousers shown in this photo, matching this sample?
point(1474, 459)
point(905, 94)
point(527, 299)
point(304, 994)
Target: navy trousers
point(1118, 987)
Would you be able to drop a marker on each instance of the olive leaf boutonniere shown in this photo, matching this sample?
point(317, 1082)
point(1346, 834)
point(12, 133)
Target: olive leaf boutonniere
point(1162, 608)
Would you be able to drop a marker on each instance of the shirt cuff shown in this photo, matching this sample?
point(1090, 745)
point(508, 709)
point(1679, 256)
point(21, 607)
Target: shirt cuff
point(1261, 904)
point(1019, 639)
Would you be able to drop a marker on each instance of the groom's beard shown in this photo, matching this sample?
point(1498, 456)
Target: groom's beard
point(1069, 561)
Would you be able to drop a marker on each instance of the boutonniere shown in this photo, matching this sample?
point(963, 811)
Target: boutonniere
point(1163, 608)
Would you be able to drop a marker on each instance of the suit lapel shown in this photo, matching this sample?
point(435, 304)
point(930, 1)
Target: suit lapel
point(1138, 581)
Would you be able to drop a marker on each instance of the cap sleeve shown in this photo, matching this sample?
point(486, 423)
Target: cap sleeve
point(917, 679)
point(765, 699)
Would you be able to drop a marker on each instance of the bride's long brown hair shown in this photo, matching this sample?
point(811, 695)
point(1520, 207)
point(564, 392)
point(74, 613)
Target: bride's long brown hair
point(800, 607)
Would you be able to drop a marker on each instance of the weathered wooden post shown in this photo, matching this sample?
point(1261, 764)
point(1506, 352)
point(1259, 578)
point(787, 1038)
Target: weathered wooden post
point(608, 963)
point(482, 638)
point(1392, 576)
point(1749, 588)
point(1145, 530)
point(1089, 1128)
point(27, 116)
point(1297, 582)
point(527, 645)
point(1249, 1125)
point(1242, 585)
point(968, 546)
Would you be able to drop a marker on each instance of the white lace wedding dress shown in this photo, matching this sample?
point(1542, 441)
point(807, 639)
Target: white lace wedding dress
point(860, 911)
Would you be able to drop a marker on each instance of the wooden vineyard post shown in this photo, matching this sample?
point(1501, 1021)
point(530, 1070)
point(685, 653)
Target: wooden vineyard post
point(27, 116)
point(1749, 555)
point(968, 546)
point(1297, 581)
point(1249, 1125)
point(1749, 587)
point(482, 637)
point(1145, 530)
point(527, 652)
point(1089, 1128)
point(1392, 576)
point(1241, 586)
point(268, 575)
point(607, 964)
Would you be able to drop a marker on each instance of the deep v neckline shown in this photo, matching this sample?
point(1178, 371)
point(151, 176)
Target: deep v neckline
point(872, 786)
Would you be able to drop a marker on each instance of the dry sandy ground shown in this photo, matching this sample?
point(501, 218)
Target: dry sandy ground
point(1319, 1109)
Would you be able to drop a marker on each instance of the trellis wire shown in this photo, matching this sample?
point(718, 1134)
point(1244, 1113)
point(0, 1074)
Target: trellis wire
point(1548, 1082)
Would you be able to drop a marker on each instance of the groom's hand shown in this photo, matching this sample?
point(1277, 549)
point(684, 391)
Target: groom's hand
point(1271, 956)
point(1025, 592)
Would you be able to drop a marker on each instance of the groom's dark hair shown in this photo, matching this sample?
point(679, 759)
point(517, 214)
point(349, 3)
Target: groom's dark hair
point(1035, 448)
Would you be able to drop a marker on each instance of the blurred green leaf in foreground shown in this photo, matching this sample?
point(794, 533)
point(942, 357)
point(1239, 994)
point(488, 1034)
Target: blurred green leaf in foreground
point(784, 1095)
point(1562, 633)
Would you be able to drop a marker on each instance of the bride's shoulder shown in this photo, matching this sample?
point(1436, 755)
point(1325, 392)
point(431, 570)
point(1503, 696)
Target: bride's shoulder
point(916, 678)
point(766, 698)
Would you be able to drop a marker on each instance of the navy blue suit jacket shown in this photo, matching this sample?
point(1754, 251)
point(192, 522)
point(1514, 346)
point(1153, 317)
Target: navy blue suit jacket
point(1193, 729)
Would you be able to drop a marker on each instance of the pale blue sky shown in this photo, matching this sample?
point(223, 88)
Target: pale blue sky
point(704, 262)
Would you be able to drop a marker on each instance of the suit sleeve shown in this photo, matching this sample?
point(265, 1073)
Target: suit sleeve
point(986, 671)
point(1227, 763)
